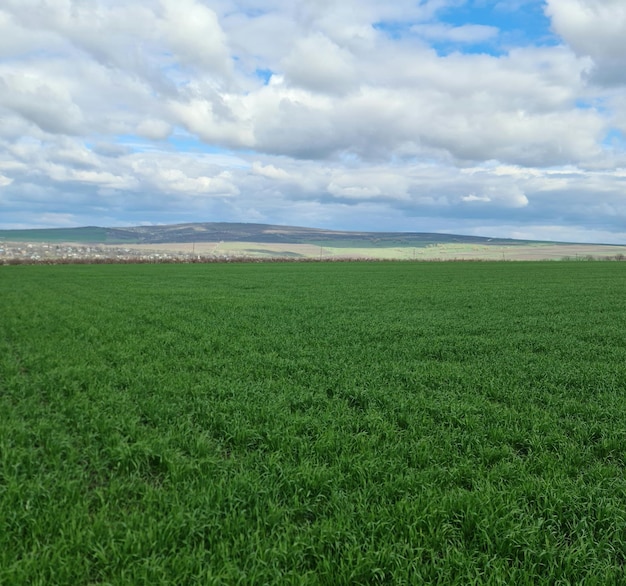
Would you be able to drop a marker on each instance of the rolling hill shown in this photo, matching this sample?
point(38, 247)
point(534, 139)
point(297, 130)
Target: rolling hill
point(233, 232)
point(223, 240)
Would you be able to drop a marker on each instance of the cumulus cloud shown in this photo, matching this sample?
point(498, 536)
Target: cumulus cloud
point(318, 64)
point(194, 33)
point(44, 102)
point(154, 129)
point(596, 29)
point(341, 114)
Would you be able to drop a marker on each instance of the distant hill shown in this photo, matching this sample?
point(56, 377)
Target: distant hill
point(233, 232)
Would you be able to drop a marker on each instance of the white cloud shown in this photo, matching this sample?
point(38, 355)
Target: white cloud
point(314, 113)
point(372, 183)
point(469, 33)
point(594, 28)
point(44, 102)
point(154, 129)
point(213, 120)
point(509, 197)
point(194, 33)
point(319, 65)
point(473, 197)
point(269, 171)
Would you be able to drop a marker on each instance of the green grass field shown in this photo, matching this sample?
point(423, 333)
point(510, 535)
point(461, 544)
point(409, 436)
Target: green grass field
point(383, 423)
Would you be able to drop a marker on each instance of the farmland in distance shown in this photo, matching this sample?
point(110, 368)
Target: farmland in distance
point(218, 241)
point(314, 423)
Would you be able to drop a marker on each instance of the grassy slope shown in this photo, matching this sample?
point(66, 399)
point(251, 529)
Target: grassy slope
point(54, 235)
point(262, 240)
point(233, 232)
point(313, 424)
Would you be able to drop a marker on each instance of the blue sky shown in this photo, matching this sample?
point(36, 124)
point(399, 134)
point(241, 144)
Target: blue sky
point(525, 20)
point(514, 23)
point(496, 118)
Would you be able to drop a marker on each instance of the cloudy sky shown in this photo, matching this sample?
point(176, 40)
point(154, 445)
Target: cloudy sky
point(486, 117)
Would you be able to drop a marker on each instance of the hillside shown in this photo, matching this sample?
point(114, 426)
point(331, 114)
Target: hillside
point(222, 240)
point(233, 232)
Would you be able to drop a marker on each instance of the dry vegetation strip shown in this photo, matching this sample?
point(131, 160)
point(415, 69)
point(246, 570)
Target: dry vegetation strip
point(66, 252)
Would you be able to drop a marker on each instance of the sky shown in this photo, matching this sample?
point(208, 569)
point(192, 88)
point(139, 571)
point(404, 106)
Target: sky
point(503, 118)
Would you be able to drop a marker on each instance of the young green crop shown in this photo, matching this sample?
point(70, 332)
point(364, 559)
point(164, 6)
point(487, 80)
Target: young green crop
point(356, 423)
